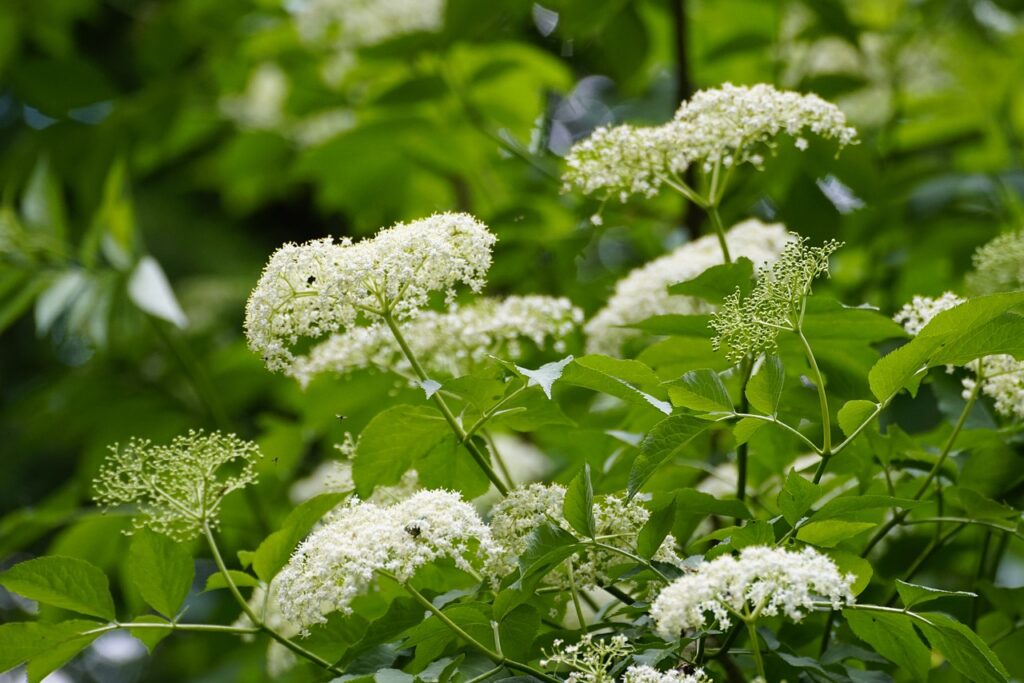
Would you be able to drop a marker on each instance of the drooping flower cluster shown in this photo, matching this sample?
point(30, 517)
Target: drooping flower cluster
point(178, 487)
point(1002, 375)
point(590, 660)
point(644, 292)
point(717, 128)
point(339, 560)
point(321, 287)
point(484, 327)
point(750, 325)
point(998, 265)
point(761, 581)
point(617, 520)
point(648, 674)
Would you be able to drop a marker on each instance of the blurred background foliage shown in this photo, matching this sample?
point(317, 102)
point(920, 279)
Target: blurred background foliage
point(156, 152)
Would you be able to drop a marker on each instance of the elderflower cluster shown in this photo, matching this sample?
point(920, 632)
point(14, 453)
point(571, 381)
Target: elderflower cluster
point(321, 287)
point(998, 265)
point(716, 129)
point(762, 581)
point(1002, 375)
point(485, 327)
point(750, 325)
point(591, 660)
point(177, 488)
point(648, 674)
point(352, 24)
point(339, 560)
point(524, 509)
point(644, 292)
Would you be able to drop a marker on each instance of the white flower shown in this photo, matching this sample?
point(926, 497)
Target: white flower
point(321, 287)
point(177, 488)
point(644, 292)
point(485, 327)
point(648, 674)
point(998, 265)
point(591, 659)
point(526, 508)
point(720, 127)
point(339, 560)
point(762, 581)
point(1002, 375)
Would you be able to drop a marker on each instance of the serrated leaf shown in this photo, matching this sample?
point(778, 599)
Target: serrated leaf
point(162, 570)
point(392, 442)
point(912, 594)
point(630, 380)
point(655, 529)
point(578, 505)
point(963, 649)
point(664, 441)
point(700, 390)
point(745, 429)
point(546, 375)
point(854, 413)
point(796, 497)
point(274, 551)
point(23, 640)
point(893, 636)
point(66, 582)
point(719, 281)
point(765, 388)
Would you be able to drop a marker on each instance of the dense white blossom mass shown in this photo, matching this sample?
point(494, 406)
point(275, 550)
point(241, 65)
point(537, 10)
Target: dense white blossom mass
point(485, 327)
point(176, 488)
point(648, 674)
point(1002, 376)
point(719, 128)
point(340, 559)
point(321, 287)
point(644, 292)
point(761, 581)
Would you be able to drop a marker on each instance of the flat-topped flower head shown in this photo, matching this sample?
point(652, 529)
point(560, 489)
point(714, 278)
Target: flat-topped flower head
point(339, 560)
point(486, 327)
point(321, 287)
point(515, 517)
point(998, 265)
point(591, 660)
point(1001, 376)
point(761, 581)
point(750, 325)
point(177, 488)
point(717, 128)
point(648, 674)
point(644, 291)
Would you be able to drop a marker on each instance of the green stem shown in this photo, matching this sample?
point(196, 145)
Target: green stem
point(826, 420)
point(576, 600)
point(716, 221)
point(631, 556)
point(782, 425)
point(173, 626)
point(742, 449)
point(442, 405)
point(497, 657)
point(257, 622)
point(755, 648)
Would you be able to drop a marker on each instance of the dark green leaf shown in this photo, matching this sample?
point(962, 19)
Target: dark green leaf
point(66, 582)
point(912, 594)
point(578, 506)
point(701, 390)
point(664, 441)
point(718, 282)
point(964, 649)
point(654, 531)
point(893, 636)
point(392, 442)
point(162, 570)
point(796, 497)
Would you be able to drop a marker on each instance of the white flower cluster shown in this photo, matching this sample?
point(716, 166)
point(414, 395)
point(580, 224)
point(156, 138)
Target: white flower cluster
point(485, 327)
point(323, 286)
point(998, 265)
point(591, 659)
point(526, 508)
point(339, 560)
point(717, 128)
point(261, 105)
point(357, 23)
point(177, 488)
point(1002, 375)
point(644, 292)
point(648, 674)
point(761, 581)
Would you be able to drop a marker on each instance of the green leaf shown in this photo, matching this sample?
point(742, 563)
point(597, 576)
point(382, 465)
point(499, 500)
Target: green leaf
point(23, 640)
point(831, 532)
point(274, 551)
point(675, 325)
point(392, 442)
point(664, 441)
point(162, 570)
point(796, 497)
point(517, 631)
point(655, 529)
point(982, 507)
point(745, 429)
point(893, 636)
point(546, 375)
point(66, 582)
point(964, 649)
point(718, 282)
point(975, 328)
point(912, 594)
point(578, 506)
point(151, 637)
point(765, 388)
point(701, 390)
point(630, 380)
point(854, 413)
point(45, 663)
point(449, 465)
point(216, 581)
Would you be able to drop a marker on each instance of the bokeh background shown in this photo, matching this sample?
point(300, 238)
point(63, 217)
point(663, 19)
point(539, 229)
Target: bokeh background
point(153, 154)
